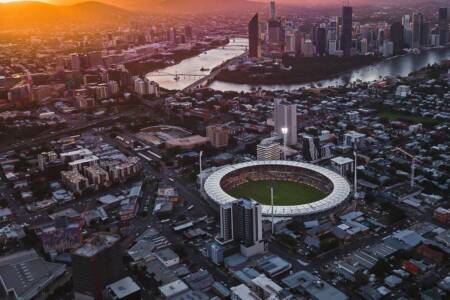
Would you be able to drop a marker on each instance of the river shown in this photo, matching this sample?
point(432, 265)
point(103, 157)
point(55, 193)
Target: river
point(397, 66)
point(190, 70)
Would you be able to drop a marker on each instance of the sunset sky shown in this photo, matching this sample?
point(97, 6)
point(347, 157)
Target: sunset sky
point(112, 1)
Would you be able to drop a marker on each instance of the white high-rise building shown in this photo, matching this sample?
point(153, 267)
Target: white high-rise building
point(290, 41)
point(332, 46)
point(407, 30)
point(285, 116)
point(146, 87)
point(113, 87)
point(364, 46)
point(308, 49)
point(226, 223)
point(388, 48)
point(241, 221)
point(352, 137)
point(435, 39)
point(140, 86)
point(152, 87)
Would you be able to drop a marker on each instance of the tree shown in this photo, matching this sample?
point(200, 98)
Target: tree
point(380, 268)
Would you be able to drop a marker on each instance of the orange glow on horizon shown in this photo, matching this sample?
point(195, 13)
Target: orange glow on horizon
point(11, 1)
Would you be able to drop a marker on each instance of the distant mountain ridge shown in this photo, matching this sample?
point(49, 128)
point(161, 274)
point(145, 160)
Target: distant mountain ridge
point(31, 13)
point(175, 6)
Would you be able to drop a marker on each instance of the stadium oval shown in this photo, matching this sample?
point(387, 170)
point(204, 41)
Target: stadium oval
point(334, 185)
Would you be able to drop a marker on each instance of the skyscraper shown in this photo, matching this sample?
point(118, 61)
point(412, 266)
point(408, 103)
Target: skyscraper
point(407, 30)
point(226, 223)
point(274, 31)
point(443, 26)
point(397, 37)
point(321, 41)
point(424, 34)
point(241, 221)
point(347, 24)
point(310, 147)
point(273, 12)
point(247, 214)
point(75, 62)
point(417, 21)
point(285, 116)
point(96, 264)
point(253, 37)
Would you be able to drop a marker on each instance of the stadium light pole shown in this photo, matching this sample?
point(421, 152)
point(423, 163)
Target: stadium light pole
point(284, 131)
point(271, 201)
point(200, 166)
point(356, 173)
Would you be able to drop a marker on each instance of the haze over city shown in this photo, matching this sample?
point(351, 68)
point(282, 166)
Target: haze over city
point(210, 149)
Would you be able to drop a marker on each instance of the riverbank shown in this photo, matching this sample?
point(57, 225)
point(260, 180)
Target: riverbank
point(392, 67)
point(297, 71)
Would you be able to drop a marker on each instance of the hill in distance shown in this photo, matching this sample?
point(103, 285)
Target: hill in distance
point(175, 6)
point(27, 14)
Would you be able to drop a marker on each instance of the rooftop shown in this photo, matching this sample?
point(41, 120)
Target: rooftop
point(96, 244)
point(173, 288)
point(123, 287)
point(314, 286)
point(26, 274)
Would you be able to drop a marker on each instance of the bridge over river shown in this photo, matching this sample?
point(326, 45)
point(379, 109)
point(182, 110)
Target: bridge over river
point(200, 70)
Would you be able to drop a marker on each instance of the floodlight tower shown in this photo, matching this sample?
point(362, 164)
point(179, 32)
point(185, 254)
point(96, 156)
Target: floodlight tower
point(200, 166)
point(271, 202)
point(355, 171)
point(284, 131)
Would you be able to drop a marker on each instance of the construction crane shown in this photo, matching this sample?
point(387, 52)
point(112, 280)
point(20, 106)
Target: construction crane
point(413, 162)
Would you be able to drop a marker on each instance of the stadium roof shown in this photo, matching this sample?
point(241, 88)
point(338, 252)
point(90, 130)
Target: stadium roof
point(339, 194)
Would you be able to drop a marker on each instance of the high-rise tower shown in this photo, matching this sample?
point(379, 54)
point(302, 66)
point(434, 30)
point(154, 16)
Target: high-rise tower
point(273, 12)
point(443, 26)
point(285, 116)
point(397, 37)
point(347, 25)
point(95, 265)
point(417, 21)
point(254, 50)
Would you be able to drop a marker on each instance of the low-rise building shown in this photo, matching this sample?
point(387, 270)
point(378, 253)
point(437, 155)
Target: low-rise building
point(24, 275)
point(168, 257)
point(124, 289)
point(313, 287)
point(217, 135)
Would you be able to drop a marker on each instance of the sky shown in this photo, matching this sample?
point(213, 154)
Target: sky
point(278, 1)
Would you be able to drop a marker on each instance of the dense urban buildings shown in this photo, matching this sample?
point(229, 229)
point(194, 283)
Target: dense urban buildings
point(210, 149)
